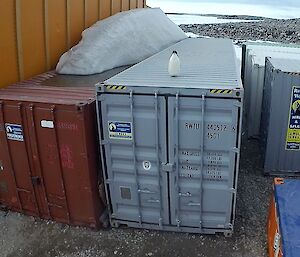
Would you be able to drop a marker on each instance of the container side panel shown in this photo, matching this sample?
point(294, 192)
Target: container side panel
point(33, 44)
point(133, 4)
point(105, 8)
point(8, 44)
point(116, 6)
point(77, 25)
point(201, 185)
point(125, 5)
point(140, 3)
point(57, 29)
point(15, 125)
point(278, 158)
point(135, 150)
point(92, 12)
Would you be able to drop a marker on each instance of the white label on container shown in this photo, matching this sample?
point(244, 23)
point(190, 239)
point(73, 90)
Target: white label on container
point(146, 165)
point(47, 124)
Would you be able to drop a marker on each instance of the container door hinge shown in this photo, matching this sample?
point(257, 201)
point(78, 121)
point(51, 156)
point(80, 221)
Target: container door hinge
point(167, 167)
point(160, 223)
point(103, 142)
point(236, 150)
point(232, 190)
point(238, 104)
point(229, 225)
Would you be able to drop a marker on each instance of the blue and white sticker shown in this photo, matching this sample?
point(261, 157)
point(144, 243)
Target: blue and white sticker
point(120, 130)
point(14, 132)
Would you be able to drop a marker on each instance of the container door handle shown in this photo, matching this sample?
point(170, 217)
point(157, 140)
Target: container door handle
point(194, 204)
point(36, 180)
point(146, 191)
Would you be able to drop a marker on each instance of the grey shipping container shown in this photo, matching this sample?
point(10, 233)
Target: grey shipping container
point(253, 74)
point(280, 128)
point(171, 145)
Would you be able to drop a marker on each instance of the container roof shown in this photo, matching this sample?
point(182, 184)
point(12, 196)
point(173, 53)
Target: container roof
point(260, 50)
point(205, 63)
point(285, 65)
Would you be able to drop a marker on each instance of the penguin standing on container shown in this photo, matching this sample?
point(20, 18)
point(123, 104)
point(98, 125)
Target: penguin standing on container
point(174, 65)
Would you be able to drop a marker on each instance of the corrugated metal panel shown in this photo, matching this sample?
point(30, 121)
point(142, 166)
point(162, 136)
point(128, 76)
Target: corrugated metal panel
point(34, 33)
point(49, 163)
point(281, 117)
point(286, 65)
point(254, 60)
point(30, 180)
point(217, 71)
point(171, 150)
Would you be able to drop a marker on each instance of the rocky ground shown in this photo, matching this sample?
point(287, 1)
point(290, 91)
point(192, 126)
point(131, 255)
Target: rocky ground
point(285, 31)
point(25, 236)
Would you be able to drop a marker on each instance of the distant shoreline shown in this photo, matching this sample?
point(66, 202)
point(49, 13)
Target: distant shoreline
point(226, 17)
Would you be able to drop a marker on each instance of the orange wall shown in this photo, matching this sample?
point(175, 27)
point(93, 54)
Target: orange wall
point(34, 33)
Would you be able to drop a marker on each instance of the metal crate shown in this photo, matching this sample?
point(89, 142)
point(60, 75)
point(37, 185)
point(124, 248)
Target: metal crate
point(253, 73)
point(171, 146)
point(280, 128)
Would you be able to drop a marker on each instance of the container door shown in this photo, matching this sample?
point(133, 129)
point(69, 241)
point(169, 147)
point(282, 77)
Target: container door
point(202, 146)
point(16, 180)
point(49, 163)
point(134, 128)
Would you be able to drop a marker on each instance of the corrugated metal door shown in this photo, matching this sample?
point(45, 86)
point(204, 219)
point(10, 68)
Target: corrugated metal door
point(50, 159)
point(202, 148)
point(16, 178)
point(134, 130)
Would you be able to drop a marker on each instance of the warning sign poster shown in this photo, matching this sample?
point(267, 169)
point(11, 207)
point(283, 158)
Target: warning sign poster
point(293, 132)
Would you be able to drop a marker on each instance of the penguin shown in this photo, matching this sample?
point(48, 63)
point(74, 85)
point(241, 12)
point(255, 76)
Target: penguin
point(174, 64)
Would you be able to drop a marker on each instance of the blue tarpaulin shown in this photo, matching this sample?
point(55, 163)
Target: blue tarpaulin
point(287, 196)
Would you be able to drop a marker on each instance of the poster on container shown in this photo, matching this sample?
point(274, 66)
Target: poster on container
point(293, 132)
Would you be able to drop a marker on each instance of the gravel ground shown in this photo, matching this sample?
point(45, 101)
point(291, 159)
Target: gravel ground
point(26, 236)
point(285, 31)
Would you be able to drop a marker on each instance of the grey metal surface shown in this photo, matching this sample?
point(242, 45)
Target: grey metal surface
point(205, 63)
point(79, 81)
point(254, 65)
point(145, 200)
point(280, 80)
point(202, 146)
point(175, 164)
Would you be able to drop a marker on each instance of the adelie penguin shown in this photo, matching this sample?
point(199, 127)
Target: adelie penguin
point(174, 65)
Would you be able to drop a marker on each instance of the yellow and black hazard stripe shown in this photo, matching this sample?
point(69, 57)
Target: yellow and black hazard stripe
point(221, 91)
point(116, 87)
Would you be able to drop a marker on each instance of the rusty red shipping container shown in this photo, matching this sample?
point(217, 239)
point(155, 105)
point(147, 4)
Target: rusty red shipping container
point(49, 164)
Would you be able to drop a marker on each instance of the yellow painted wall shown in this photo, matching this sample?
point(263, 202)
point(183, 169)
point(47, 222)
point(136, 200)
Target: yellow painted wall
point(34, 33)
